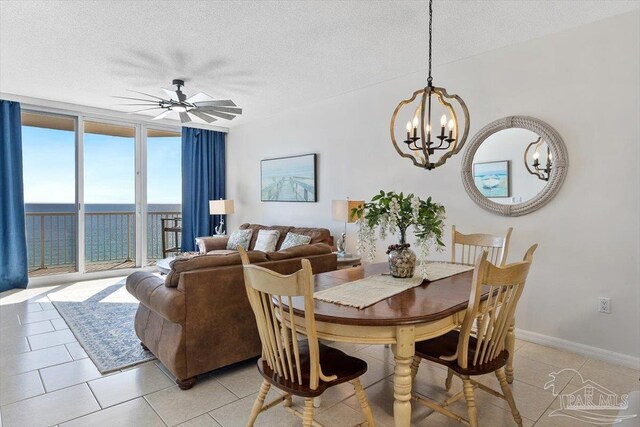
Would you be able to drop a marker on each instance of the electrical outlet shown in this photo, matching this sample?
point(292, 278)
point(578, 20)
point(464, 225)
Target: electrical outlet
point(604, 305)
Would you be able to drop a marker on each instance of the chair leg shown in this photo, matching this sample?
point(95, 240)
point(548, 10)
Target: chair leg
point(364, 405)
point(471, 401)
point(257, 405)
point(287, 401)
point(508, 394)
point(447, 382)
point(415, 364)
point(307, 415)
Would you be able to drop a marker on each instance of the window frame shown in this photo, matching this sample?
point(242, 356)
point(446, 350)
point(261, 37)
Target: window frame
point(141, 127)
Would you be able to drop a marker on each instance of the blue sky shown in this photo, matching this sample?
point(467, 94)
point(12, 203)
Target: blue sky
point(109, 169)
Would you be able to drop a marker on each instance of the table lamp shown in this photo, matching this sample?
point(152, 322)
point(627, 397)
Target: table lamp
point(341, 211)
point(221, 207)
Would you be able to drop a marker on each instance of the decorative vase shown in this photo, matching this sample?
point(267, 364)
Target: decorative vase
point(402, 261)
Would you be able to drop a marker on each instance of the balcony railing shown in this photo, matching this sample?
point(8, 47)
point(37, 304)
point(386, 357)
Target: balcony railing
point(110, 240)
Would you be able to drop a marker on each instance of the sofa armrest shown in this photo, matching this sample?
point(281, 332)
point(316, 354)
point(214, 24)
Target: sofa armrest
point(151, 291)
point(211, 243)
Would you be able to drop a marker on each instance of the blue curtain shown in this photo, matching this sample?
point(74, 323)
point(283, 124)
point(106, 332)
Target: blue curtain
point(203, 179)
point(13, 249)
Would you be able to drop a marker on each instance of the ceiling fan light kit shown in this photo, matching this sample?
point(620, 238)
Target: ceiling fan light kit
point(200, 105)
point(421, 136)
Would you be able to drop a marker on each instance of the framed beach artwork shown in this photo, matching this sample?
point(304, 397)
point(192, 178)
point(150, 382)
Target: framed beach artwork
point(289, 179)
point(493, 178)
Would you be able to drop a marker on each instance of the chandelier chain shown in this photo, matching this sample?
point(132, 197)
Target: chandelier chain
point(430, 78)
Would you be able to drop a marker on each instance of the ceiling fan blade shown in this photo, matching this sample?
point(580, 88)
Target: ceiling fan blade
point(145, 94)
point(172, 94)
point(220, 103)
point(184, 117)
point(162, 115)
point(217, 114)
point(151, 101)
point(199, 97)
point(225, 110)
point(202, 116)
point(139, 105)
point(146, 109)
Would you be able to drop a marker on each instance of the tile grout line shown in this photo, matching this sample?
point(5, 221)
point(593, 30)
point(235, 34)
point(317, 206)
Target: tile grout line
point(554, 398)
point(144, 398)
point(33, 323)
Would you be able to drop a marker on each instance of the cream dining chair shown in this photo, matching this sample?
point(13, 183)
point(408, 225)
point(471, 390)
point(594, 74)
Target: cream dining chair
point(466, 248)
point(299, 368)
point(479, 346)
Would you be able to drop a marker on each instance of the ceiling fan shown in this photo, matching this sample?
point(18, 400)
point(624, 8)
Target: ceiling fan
point(199, 105)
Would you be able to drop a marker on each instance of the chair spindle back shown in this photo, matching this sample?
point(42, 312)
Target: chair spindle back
point(470, 246)
point(490, 319)
point(267, 290)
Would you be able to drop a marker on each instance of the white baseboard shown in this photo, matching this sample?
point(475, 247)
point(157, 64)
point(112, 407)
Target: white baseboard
point(584, 350)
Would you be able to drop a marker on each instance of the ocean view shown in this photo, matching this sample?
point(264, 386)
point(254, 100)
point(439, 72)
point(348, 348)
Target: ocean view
point(110, 233)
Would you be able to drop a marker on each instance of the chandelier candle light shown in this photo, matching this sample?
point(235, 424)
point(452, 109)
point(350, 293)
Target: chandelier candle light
point(542, 173)
point(420, 139)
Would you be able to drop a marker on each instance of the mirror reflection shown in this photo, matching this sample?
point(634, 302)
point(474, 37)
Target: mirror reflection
point(499, 169)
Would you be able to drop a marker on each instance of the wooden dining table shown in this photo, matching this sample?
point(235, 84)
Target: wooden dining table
point(426, 311)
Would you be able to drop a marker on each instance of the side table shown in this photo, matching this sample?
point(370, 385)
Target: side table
point(163, 265)
point(348, 261)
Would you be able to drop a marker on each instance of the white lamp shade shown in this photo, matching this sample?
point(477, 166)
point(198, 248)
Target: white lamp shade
point(221, 207)
point(341, 209)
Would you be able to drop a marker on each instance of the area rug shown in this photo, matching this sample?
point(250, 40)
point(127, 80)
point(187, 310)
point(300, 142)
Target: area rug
point(102, 319)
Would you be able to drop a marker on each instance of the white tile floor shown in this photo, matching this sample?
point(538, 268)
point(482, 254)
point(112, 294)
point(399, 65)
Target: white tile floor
point(46, 379)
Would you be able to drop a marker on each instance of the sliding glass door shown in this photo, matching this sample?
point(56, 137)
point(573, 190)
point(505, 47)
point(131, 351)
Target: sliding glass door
point(164, 193)
point(49, 170)
point(109, 196)
point(99, 193)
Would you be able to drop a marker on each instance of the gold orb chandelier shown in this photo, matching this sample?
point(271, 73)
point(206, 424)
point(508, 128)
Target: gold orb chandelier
point(422, 140)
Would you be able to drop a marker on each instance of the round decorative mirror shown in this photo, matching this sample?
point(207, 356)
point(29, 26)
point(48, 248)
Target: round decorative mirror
point(514, 166)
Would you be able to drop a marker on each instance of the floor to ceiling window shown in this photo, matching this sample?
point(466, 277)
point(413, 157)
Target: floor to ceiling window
point(49, 169)
point(93, 167)
point(164, 192)
point(109, 196)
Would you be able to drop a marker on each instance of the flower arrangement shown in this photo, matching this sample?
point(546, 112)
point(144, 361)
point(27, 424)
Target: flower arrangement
point(394, 213)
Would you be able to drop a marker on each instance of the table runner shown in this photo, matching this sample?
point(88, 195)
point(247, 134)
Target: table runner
point(370, 290)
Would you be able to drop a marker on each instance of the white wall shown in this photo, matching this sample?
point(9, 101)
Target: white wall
point(584, 82)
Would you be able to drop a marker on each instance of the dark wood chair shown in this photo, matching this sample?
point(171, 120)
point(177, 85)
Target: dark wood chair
point(478, 348)
point(299, 368)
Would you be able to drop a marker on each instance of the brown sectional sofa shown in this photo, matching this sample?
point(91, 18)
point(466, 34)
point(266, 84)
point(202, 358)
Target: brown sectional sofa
point(198, 318)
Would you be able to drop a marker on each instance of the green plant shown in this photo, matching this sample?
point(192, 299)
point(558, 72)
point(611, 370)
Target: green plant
point(393, 213)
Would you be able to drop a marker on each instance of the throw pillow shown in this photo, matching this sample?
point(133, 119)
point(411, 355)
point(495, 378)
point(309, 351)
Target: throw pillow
point(267, 240)
point(293, 239)
point(239, 237)
point(201, 245)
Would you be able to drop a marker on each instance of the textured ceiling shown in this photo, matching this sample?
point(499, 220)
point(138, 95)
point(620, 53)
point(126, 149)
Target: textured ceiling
point(267, 56)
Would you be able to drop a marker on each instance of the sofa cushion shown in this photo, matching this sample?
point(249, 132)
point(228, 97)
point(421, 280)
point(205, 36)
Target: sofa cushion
point(240, 238)
point(282, 229)
point(294, 239)
point(267, 240)
point(207, 261)
point(211, 243)
point(318, 235)
point(300, 252)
